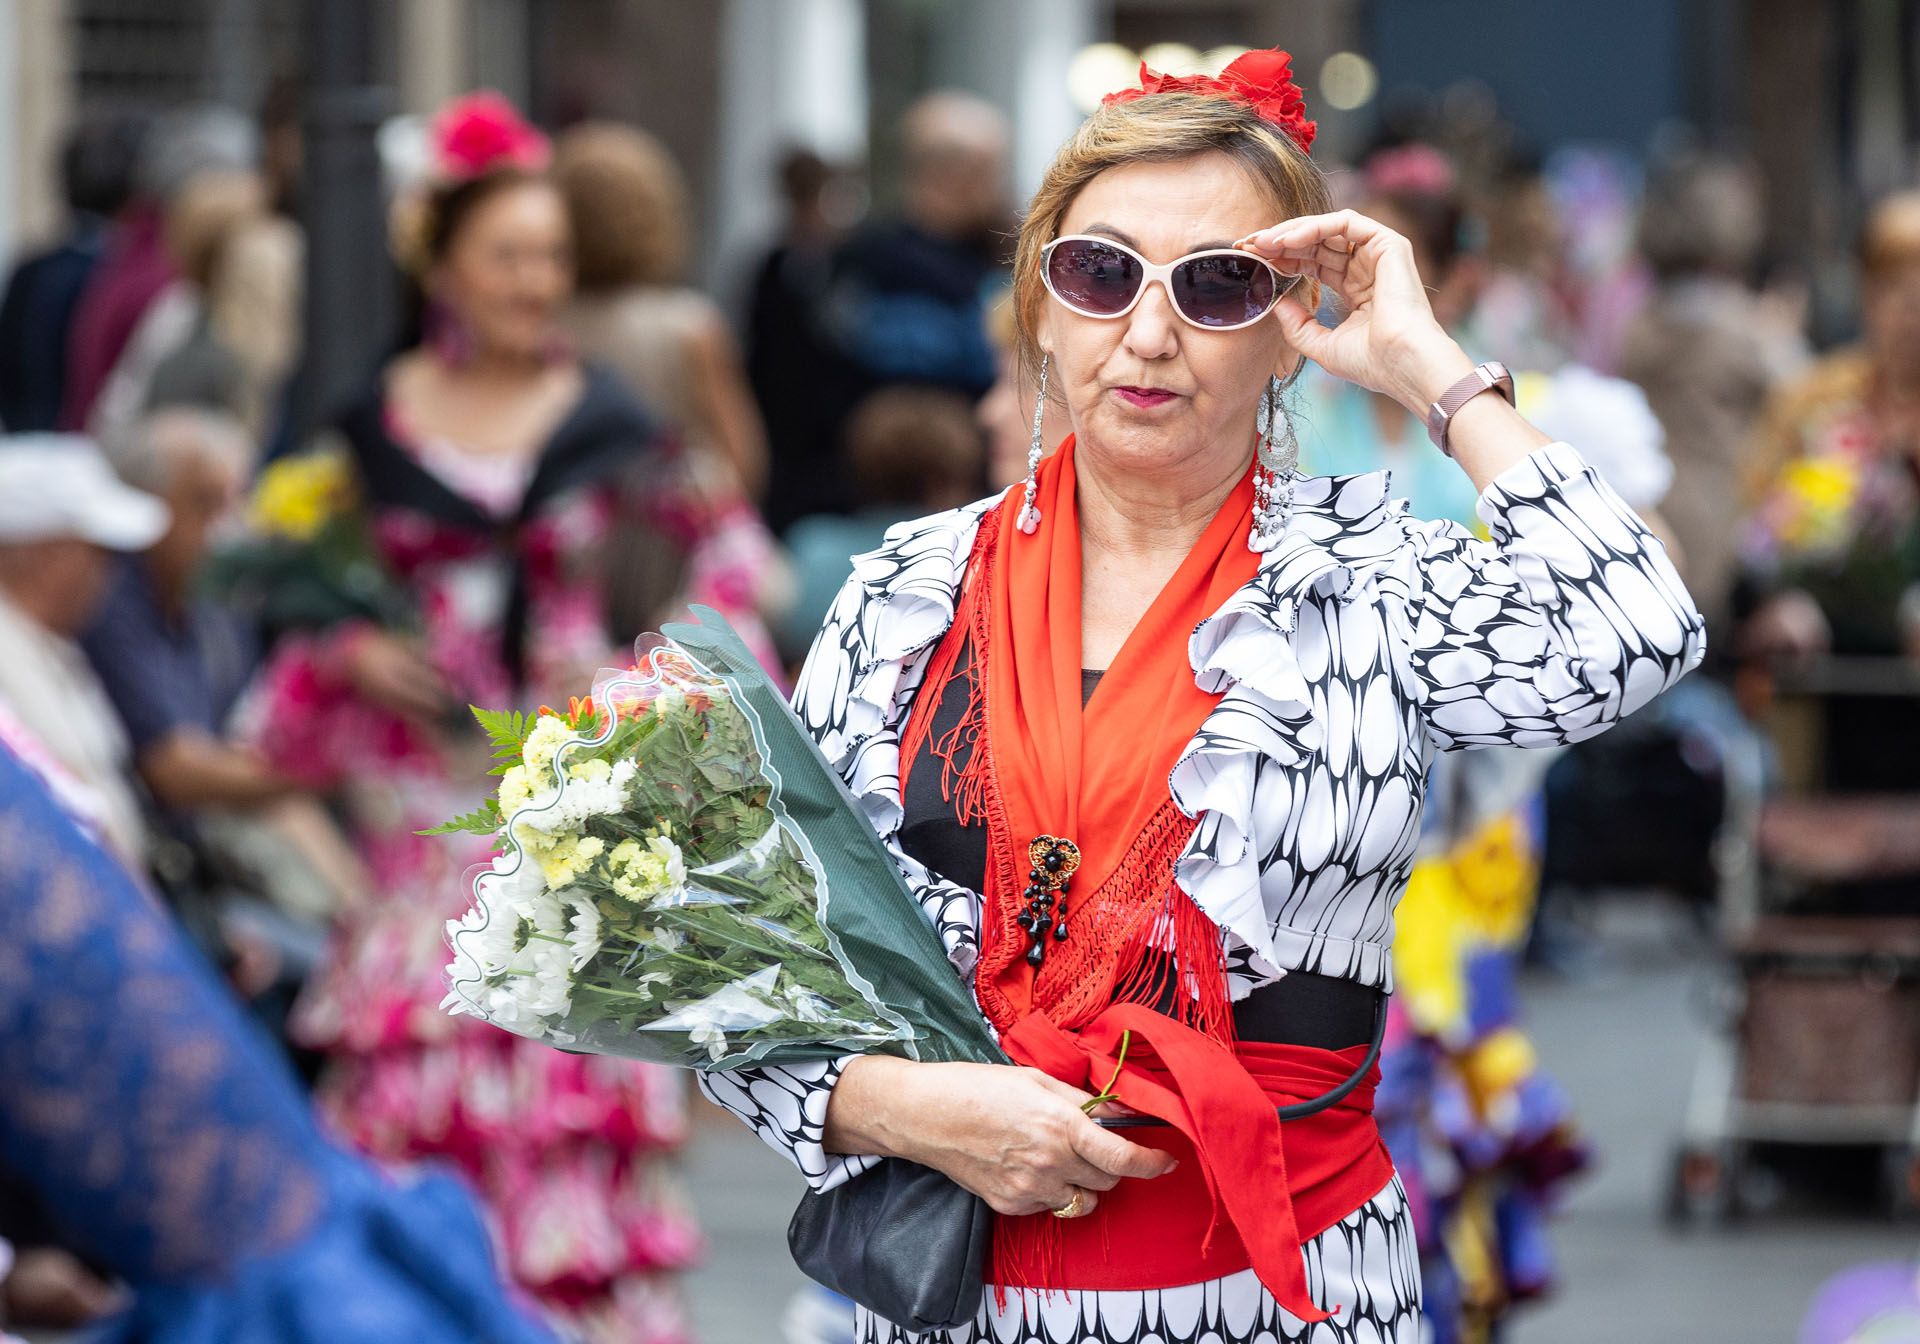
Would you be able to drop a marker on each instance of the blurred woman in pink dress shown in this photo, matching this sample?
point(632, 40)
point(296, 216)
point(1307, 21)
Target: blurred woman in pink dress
point(479, 480)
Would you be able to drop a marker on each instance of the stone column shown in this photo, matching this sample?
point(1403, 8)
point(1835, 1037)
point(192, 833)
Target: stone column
point(1016, 53)
point(791, 72)
point(36, 107)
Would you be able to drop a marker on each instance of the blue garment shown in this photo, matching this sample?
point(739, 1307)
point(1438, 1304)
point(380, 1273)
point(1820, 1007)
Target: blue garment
point(34, 318)
point(1340, 435)
point(170, 1144)
point(908, 306)
point(822, 546)
point(162, 674)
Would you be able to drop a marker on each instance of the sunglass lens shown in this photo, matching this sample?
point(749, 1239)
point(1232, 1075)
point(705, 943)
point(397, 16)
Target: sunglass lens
point(1220, 289)
point(1093, 277)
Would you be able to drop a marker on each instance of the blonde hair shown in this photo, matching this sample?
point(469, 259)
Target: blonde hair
point(1159, 128)
point(628, 203)
point(1891, 238)
point(204, 216)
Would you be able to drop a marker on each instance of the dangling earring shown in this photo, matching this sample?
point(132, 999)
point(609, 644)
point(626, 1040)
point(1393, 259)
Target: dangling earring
point(1030, 511)
point(446, 335)
point(1273, 471)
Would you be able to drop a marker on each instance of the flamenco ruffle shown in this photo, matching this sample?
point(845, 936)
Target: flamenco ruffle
point(1344, 529)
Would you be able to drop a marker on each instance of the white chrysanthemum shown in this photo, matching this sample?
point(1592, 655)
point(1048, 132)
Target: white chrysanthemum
point(513, 961)
point(583, 933)
point(594, 788)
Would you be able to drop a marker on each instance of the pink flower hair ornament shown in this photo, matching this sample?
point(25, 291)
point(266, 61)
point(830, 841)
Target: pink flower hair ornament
point(1263, 80)
point(479, 132)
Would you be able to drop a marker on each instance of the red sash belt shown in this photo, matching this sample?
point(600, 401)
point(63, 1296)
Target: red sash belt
point(1278, 1186)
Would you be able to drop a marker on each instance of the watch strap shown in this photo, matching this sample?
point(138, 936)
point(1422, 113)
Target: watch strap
point(1489, 377)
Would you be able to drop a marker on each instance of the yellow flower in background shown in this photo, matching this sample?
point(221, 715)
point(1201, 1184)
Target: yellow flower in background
point(295, 496)
point(1818, 494)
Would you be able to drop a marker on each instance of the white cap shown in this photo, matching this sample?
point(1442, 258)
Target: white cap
point(60, 485)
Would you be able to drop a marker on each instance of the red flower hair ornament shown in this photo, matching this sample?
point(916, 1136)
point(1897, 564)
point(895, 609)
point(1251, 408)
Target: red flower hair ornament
point(479, 132)
point(1263, 80)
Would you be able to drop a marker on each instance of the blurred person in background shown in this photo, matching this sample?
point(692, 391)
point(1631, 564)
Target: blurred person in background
point(96, 179)
point(1522, 315)
point(668, 342)
point(63, 515)
point(632, 310)
point(1707, 350)
point(910, 451)
point(1347, 429)
point(908, 297)
point(173, 662)
point(167, 1143)
point(249, 862)
point(178, 355)
point(789, 360)
point(137, 266)
point(480, 477)
point(255, 295)
point(1833, 550)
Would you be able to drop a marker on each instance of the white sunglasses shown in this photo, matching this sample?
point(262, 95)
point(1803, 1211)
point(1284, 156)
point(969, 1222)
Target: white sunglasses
point(1221, 289)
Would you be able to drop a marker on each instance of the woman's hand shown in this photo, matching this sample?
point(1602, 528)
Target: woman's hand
point(391, 672)
point(1389, 341)
point(1013, 1136)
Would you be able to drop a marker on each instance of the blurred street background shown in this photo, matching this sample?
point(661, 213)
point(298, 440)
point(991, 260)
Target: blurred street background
point(362, 360)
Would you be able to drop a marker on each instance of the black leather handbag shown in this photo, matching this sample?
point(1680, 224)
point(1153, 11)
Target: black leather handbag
point(902, 1240)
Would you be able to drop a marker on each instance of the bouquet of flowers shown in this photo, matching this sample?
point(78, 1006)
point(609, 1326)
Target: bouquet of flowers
point(308, 559)
point(682, 878)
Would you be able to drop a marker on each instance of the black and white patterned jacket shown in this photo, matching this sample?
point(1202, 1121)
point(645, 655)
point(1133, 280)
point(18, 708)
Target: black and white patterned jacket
point(1367, 641)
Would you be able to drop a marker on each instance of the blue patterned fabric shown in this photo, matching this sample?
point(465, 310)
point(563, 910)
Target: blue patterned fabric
point(169, 1141)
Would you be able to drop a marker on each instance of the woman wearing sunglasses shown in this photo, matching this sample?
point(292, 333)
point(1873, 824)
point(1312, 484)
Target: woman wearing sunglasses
point(1149, 736)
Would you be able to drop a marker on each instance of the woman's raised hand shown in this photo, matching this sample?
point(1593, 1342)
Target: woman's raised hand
point(1013, 1136)
point(1389, 340)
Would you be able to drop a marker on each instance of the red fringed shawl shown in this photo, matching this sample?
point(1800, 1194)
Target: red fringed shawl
point(1038, 763)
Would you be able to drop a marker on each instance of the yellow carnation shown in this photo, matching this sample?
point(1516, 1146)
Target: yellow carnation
point(547, 737)
point(515, 791)
point(564, 857)
point(594, 771)
point(641, 872)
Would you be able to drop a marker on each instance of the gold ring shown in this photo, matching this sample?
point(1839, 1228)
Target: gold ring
point(1074, 1207)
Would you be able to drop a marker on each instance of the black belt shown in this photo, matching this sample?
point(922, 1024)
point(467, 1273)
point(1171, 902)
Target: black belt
point(1319, 1001)
point(1302, 1008)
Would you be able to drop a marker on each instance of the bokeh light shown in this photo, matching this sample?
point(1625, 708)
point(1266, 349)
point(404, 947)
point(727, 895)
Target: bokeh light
point(1348, 80)
point(1173, 58)
point(1097, 70)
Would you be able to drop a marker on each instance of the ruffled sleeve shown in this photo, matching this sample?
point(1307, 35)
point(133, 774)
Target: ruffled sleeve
point(1568, 618)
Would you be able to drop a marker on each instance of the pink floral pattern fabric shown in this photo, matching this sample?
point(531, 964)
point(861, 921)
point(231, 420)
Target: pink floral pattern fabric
point(573, 1154)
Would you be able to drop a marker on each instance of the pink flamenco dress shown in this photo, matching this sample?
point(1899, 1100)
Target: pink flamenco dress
point(501, 568)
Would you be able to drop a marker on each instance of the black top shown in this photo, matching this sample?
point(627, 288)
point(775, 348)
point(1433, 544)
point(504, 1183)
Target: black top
point(1300, 1009)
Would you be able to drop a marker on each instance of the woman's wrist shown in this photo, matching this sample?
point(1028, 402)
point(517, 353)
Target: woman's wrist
point(1425, 369)
point(860, 1109)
